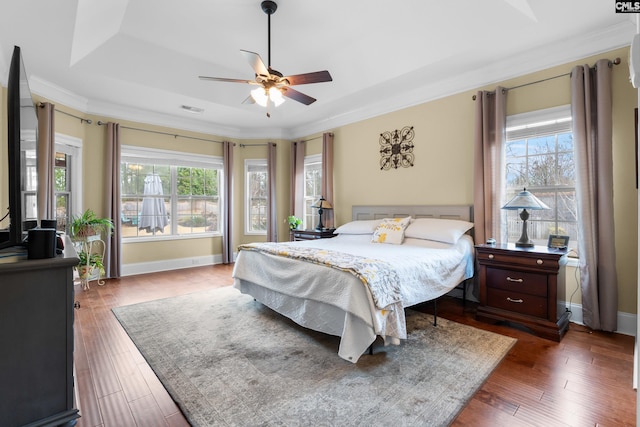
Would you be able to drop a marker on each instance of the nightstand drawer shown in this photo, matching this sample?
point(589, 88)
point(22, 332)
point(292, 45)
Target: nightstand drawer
point(517, 302)
point(517, 281)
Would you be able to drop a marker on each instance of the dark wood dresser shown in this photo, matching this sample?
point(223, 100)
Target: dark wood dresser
point(524, 286)
point(36, 336)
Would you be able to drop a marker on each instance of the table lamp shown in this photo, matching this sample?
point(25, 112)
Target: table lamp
point(321, 205)
point(525, 200)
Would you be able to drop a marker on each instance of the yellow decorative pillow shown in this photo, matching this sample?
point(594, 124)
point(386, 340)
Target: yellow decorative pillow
point(391, 230)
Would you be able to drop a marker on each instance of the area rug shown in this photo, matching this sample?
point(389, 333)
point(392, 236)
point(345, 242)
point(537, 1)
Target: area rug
point(227, 360)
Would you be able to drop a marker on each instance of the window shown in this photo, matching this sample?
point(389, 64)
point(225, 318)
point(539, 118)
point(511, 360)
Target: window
point(165, 193)
point(62, 188)
point(539, 157)
point(257, 182)
point(312, 189)
point(66, 174)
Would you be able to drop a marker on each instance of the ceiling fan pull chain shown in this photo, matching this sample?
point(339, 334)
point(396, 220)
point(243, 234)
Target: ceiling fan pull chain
point(268, 102)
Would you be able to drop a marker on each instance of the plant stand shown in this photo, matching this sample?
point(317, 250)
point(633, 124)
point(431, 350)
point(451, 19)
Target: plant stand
point(89, 244)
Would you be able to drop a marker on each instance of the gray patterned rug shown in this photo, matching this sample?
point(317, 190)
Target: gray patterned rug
point(228, 360)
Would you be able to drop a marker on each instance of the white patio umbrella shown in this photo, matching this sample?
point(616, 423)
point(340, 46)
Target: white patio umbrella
point(153, 216)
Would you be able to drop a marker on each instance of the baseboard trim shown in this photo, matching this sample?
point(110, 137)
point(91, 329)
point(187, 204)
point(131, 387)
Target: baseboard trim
point(169, 264)
point(626, 321)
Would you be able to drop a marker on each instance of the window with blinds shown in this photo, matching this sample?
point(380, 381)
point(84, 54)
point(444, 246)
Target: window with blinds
point(539, 157)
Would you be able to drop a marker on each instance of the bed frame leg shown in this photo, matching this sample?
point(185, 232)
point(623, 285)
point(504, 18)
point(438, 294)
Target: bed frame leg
point(435, 312)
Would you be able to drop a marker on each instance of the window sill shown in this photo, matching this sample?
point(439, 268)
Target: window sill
point(169, 238)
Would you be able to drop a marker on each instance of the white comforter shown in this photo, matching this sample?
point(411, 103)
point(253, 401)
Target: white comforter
point(337, 302)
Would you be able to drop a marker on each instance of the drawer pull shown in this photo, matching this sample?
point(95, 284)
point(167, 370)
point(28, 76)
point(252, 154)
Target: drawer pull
point(509, 279)
point(519, 301)
point(539, 262)
point(490, 256)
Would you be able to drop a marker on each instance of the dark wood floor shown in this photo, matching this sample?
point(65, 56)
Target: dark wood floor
point(585, 380)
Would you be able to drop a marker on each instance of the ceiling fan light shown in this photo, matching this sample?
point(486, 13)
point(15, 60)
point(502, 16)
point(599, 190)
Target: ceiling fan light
point(260, 96)
point(276, 96)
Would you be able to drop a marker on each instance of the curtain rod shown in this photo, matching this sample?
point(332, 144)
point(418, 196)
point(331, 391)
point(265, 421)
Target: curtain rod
point(82, 120)
point(254, 145)
point(175, 135)
point(311, 139)
point(611, 64)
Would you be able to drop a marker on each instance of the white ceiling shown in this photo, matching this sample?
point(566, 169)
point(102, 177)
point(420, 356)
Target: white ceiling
point(140, 59)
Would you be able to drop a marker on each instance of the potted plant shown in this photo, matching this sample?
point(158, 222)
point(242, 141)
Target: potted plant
point(294, 222)
point(89, 224)
point(90, 265)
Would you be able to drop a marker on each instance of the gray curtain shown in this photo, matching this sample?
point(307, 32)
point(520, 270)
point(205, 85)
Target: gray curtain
point(46, 150)
point(327, 178)
point(296, 200)
point(113, 255)
point(592, 137)
point(272, 212)
point(227, 204)
point(488, 175)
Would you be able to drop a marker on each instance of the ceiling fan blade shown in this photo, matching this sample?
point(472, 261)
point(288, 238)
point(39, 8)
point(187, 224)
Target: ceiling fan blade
point(256, 62)
point(223, 79)
point(303, 79)
point(297, 96)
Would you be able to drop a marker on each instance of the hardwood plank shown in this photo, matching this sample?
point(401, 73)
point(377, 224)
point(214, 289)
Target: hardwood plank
point(147, 413)
point(116, 410)
point(89, 408)
point(130, 377)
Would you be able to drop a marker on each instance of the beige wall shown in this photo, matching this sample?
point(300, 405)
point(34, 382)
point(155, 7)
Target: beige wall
point(442, 173)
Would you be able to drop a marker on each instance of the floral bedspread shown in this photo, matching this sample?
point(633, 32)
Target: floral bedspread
point(380, 277)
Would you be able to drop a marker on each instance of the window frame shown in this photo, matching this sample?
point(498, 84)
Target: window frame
point(545, 122)
point(71, 146)
point(161, 157)
point(248, 164)
point(307, 201)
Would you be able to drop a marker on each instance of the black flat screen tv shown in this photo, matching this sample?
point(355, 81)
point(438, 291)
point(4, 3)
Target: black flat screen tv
point(21, 121)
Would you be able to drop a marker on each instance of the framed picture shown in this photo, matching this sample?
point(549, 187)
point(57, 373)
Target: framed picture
point(557, 241)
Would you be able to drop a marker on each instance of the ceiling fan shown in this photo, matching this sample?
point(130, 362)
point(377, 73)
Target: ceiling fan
point(272, 85)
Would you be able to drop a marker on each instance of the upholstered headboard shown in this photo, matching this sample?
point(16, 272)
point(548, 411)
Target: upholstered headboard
point(461, 212)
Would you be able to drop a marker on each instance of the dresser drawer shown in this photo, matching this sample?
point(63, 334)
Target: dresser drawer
point(517, 281)
point(531, 305)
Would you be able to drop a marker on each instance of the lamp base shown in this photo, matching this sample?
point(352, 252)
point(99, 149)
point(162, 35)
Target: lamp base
point(524, 241)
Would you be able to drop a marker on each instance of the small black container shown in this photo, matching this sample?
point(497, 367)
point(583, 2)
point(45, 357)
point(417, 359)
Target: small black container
point(41, 243)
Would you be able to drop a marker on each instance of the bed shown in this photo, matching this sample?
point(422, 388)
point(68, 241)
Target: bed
point(353, 288)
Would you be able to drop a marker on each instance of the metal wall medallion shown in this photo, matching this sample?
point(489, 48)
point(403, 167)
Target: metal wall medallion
point(396, 148)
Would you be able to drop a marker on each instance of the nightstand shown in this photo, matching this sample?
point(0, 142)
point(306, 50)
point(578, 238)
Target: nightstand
point(525, 286)
point(312, 234)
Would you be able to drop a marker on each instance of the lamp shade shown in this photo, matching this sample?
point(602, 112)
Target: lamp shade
point(322, 203)
point(525, 200)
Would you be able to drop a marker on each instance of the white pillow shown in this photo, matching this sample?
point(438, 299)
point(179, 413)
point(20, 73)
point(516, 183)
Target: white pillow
point(367, 226)
point(440, 230)
point(391, 230)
